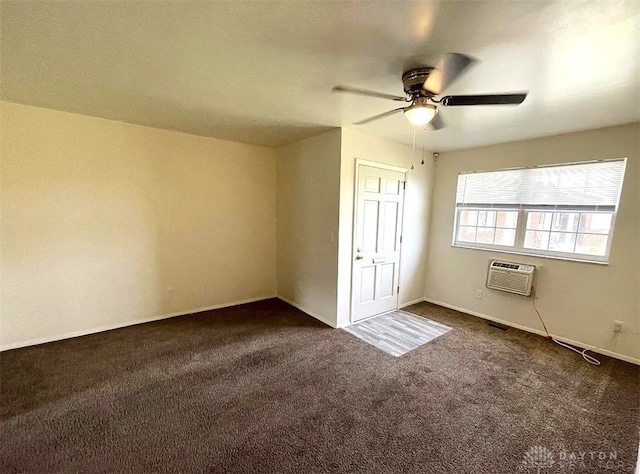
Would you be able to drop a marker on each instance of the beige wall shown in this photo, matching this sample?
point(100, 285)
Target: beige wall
point(315, 189)
point(357, 145)
point(106, 224)
point(308, 190)
point(101, 218)
point(579, 301)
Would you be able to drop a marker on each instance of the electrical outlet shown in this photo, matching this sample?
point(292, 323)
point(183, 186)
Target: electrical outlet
point(617, 326)
point(478, 294)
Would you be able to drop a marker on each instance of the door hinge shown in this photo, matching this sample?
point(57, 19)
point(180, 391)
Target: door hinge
point(404, 185)
point(398, 290)
point(400, 239)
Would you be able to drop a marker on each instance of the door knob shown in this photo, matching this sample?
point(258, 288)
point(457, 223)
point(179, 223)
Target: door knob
point(359, 257)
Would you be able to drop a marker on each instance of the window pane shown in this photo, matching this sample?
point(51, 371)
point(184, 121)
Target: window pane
point(565, 221)
point(595, 223)
point(562, 241)
point(591, 244)
point(468, 217)
point(466, 234)
point(487, 218)
point(485, 235)
point(506, 237)
point(535, 239)
point(539, 220)
point(507, 219)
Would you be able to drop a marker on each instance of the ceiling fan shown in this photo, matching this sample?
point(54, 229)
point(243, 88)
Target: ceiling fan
point(423, 84)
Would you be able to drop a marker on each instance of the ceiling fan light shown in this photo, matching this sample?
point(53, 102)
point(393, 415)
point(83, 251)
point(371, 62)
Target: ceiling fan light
point(420, 114)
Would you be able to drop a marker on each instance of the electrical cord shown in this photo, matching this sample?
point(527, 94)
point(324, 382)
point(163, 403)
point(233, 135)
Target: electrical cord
point(583, 352)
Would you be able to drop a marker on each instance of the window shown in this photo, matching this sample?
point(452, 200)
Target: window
point(565, 211)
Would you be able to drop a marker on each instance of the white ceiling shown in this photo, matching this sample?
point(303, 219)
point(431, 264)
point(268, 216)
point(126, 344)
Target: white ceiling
point(262, 72)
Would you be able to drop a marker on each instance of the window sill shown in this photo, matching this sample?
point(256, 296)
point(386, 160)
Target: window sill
point(516, 252)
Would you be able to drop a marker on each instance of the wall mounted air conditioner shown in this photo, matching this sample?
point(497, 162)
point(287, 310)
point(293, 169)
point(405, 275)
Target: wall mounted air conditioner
point(509, 276)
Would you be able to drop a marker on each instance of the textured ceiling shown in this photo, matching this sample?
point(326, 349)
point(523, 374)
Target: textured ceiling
point(262, 72)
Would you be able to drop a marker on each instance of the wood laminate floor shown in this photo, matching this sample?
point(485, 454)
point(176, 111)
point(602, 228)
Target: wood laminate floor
point(397, 332)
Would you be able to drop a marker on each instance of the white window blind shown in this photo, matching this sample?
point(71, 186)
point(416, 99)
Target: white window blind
point(593, 184)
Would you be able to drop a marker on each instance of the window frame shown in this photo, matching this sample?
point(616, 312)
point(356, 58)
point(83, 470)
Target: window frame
point(518, 247)
point(491, 194)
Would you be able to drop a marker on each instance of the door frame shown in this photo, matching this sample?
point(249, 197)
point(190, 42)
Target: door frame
point(383, 166)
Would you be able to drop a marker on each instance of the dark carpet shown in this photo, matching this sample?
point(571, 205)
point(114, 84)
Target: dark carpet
point(264, 388)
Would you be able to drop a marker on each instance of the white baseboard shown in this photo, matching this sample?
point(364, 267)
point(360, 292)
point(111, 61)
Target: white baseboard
point(306, 311)
point(109, 327)
point(325, 320)
point(583, 345)
point(409, 303)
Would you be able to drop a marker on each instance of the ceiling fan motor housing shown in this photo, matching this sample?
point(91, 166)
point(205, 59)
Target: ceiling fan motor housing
point(413, 81)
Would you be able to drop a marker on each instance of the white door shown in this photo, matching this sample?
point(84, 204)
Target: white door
point(378, 220)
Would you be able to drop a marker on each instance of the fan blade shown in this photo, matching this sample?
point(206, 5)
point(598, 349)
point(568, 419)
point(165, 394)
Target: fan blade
point(449, 68)
point(379, 116)
point(437, 122)
point(380, 95)
point(487, 99)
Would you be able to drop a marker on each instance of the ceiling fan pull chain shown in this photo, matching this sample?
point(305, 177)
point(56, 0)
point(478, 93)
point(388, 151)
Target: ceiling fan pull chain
point(424, 141)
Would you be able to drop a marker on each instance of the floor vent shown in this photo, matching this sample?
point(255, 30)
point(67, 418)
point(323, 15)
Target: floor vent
point(502, 327)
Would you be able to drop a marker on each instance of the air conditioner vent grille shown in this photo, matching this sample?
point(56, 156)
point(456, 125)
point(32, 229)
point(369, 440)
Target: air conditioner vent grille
point(508, 281)
point(513, 266)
